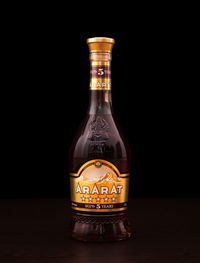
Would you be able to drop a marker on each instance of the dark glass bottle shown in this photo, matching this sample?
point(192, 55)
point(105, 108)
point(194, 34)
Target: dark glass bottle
point(99, 160)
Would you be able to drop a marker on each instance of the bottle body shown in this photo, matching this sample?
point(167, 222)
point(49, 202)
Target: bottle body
point(99, 169)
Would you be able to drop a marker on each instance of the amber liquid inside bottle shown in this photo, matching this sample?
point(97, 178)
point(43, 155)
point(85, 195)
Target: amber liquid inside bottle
point(99, 138)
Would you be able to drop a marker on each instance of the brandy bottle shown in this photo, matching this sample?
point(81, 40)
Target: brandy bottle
point(99, 160)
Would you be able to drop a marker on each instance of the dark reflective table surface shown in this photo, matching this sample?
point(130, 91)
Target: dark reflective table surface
point(166, 230)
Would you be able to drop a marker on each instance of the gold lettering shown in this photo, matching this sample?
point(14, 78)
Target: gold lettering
point(86, 189)
point(119, 187)
point(104, 190)
point(95, 190)
point(78, 189)
point(113, 190)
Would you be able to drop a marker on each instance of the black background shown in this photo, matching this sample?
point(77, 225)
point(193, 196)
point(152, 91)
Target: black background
point(46, 91)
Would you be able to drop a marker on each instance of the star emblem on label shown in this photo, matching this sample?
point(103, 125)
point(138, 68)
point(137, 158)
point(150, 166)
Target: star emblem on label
point(114, 199)
point(83, 198)
point(90, 199)
point(98, 199)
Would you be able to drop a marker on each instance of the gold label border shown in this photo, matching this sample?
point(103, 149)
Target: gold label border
point(100, 63)
point(99, 210)
point(87, 164)
point(100, 88)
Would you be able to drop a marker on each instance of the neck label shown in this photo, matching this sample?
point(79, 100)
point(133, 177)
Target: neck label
point(100, 76)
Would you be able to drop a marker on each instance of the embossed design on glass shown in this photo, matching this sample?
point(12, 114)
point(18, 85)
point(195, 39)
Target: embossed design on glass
point(99, 129)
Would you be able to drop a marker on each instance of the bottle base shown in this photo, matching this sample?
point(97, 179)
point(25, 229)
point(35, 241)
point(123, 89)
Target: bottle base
point(100, 228)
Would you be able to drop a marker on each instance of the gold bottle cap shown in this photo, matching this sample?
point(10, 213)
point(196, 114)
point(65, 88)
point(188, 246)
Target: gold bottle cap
point(100, 44)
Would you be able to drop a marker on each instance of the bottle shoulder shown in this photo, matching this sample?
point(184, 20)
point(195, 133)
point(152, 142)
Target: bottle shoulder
point(100, 137)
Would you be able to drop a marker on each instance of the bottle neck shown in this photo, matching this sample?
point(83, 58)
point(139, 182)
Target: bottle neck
point(100, 102)
point(100, 84)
